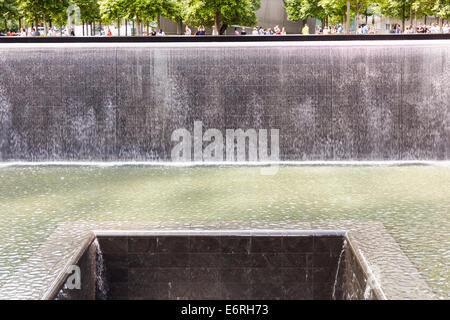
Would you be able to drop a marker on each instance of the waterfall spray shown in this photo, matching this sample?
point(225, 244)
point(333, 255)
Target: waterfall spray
point(333, 296)
point(101, 291)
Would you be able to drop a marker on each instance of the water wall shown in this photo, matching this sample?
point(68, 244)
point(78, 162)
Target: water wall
point(380, 100)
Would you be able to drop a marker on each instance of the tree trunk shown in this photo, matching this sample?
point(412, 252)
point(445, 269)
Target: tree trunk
point(159, 22)
point(138, 25)
point(410, 16)
point(82, 24)
point(118, 27)
point(126, 27)
point(347, 26)
point(415, 20)
point(179, 27)
point(217, 21)
point(357, 18)
point(20, 25)
point(132, 28)
point(425, 20)
point(45, 26)
point(94, 27)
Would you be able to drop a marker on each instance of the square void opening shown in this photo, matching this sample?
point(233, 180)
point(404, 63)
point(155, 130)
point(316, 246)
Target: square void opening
point(238, 267)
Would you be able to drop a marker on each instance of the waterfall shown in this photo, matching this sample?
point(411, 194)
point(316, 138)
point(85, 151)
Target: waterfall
point(368, 292)
point(101, 291)
point(136, 103)
point(333, 296)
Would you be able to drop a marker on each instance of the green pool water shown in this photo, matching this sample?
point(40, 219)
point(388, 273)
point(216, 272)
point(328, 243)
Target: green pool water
point(413, 203)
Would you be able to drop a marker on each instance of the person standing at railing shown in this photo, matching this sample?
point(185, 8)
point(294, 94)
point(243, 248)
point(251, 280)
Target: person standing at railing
point(305, 29)
point(446, 29)
point(277, 29)
point(188, 31)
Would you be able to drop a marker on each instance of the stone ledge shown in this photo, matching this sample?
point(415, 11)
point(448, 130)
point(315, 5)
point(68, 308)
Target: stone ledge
point(387, 268)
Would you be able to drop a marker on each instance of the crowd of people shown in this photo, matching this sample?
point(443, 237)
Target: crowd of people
point(432, 28)
point(256, 31)
point(35, 32)
point(329, 29)
point(242, 31)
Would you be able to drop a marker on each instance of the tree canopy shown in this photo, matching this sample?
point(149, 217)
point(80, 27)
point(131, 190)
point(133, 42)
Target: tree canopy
point(220, 12)
point(402, 9)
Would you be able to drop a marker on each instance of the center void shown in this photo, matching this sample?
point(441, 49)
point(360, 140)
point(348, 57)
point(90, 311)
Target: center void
point(239, 267)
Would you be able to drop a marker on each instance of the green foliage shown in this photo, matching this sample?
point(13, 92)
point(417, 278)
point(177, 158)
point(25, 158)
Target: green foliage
point(228, 12)
point(395, 8)
point(144, 9)
point(89, 9)
point(442, 8)
point(111, 10)
point(52, 10)
point(8, 9)
point(210, 12)
point(8, 13)
point(334, 9)
point(303, 9)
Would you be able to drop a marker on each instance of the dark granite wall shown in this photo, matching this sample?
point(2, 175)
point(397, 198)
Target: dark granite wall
point(88, 277)
point(180, 267)
point(355, 284)
point(317, 267)
point(352, 102)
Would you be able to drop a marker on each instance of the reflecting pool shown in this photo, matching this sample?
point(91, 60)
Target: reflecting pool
point(413, 202)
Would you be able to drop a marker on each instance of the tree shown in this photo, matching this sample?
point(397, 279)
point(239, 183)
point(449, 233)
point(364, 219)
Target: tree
point(43, 10)
point(396, 9)
point(220, 13)
point(336, 9)
point(112, 10)
point(8, 11)
point(303, 9)
point(89, 9)
point(139, 10)
point(155, 9)
point(442, 9)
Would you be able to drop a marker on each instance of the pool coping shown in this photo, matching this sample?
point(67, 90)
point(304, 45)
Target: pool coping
point(389, 272)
